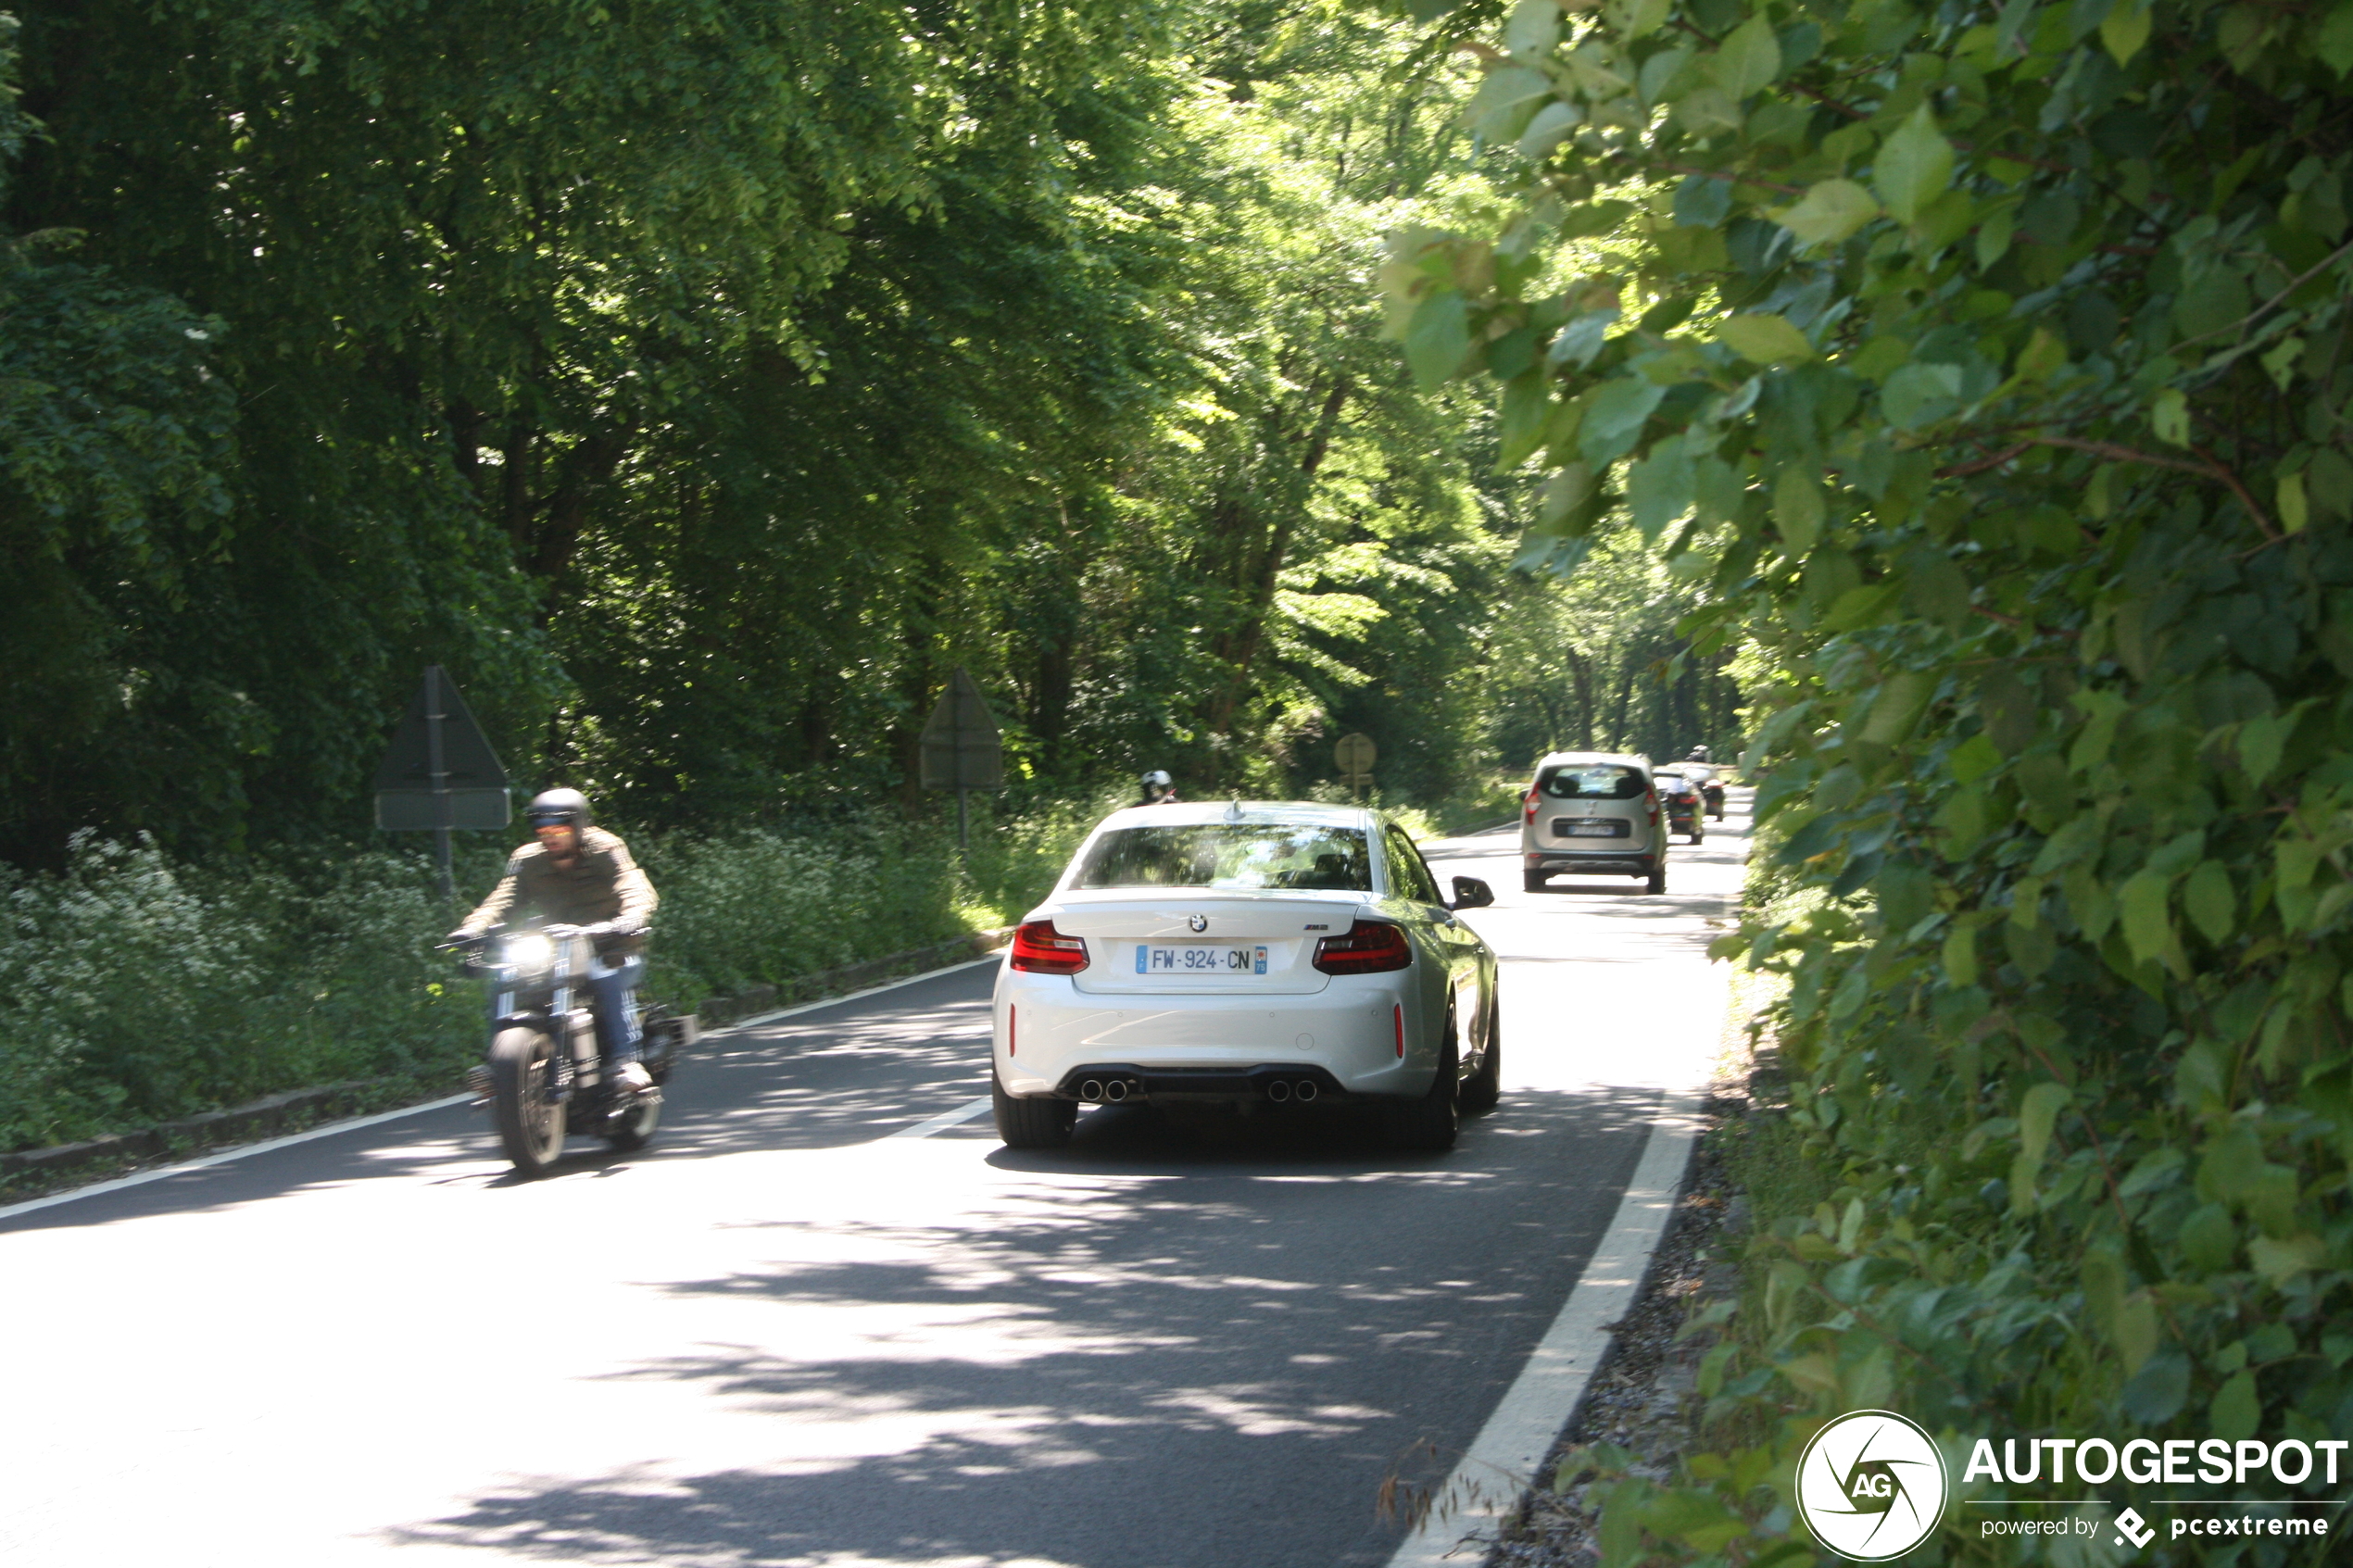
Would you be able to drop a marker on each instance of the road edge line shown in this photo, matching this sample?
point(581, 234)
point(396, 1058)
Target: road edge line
point(352, 1124)
point(221, 1157)
point(1505, 1455)
point(762, 1020)
point(942, 1121)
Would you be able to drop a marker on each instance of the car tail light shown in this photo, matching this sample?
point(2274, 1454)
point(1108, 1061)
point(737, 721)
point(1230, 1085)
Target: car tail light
point(1370, 948)
point(1530, 814)
point(1041, 949)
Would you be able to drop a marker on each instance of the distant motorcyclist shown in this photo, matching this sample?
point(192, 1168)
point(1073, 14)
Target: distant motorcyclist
point(1159, 789)
point(1703, 773)
point(580, 875)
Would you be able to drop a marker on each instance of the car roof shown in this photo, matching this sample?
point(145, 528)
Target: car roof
point(1192, 812)
point(1626, 758)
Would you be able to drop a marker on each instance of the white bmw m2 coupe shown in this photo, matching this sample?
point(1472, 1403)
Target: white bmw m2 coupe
point(1247, 952)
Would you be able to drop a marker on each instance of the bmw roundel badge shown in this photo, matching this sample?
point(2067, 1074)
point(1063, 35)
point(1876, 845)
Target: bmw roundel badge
point(1199, 923)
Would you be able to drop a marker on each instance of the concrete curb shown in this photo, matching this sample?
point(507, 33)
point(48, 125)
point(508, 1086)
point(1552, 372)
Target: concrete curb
point(272, 1112)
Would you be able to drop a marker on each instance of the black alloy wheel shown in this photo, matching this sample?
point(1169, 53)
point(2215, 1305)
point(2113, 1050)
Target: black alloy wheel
point(530, 1125)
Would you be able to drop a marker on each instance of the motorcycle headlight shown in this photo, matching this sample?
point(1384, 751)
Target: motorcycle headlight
point(530, 952)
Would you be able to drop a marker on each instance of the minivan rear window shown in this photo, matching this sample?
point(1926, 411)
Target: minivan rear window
point(1592, 781)
point(1301, 855)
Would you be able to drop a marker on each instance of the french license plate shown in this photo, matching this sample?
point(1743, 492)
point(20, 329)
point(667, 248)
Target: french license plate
point(1594, 827)
point(1199, 960)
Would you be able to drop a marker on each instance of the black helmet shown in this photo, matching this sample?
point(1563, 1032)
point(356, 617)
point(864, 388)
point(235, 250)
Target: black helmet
point(554, 807)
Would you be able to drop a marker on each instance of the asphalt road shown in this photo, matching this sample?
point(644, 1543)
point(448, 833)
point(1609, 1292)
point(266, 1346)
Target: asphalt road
point(783, 1336)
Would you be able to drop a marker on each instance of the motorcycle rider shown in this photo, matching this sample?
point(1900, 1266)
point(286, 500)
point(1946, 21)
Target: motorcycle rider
point(1159, 788)
point(580, 875)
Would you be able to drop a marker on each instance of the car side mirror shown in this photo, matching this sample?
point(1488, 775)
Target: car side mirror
point(1471, 893)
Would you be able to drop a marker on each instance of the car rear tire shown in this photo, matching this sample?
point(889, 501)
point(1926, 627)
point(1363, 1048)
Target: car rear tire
point(1483, 1088)
point(1534, 881)
point(1031, 1123)
point(1432, 1123)
point(1657, 883)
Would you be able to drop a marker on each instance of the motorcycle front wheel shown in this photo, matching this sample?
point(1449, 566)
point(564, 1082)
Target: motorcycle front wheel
point(530, 1126)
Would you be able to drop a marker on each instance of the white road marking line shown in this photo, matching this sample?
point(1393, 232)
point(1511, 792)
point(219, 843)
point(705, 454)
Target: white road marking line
point(921, 1130)
point(759, 1020)
point(224, 1156)
point(940, 1123)
point(1505, 1455)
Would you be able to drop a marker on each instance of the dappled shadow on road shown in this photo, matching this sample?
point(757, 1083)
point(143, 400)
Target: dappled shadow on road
point(1168, 1344)
point(826, 1079)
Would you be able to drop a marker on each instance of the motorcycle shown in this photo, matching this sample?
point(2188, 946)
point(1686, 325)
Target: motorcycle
point(1683, 813)
point(544, 1077)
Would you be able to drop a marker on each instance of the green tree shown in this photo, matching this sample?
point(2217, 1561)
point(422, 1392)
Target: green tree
point(1992, 360)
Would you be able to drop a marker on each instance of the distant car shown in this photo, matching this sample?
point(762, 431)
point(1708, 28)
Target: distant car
point(1247, 953)
point(1594, 814)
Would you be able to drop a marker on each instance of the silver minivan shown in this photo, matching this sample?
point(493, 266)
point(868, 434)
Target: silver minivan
point(1594, 814)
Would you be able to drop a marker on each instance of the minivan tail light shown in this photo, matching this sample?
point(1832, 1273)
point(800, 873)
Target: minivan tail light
point(1530, 814)
point(1370, 948)
point(1040, 950)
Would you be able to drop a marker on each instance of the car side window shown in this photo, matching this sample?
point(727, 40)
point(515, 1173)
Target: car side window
point(1408, 877)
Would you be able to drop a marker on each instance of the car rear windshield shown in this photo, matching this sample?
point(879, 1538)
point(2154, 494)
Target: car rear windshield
point(1593, 780)
point(1230, 855)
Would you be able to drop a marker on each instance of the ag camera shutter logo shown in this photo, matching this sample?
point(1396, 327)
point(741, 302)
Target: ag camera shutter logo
point(1871, 1486)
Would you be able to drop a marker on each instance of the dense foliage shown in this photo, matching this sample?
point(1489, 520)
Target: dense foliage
point(1993, 359)
point(702, 387)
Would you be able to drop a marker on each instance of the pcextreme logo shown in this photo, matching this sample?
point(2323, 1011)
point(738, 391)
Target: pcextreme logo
point(1871, 1486)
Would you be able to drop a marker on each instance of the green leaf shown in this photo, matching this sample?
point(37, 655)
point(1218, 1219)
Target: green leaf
point(1828, 213)
point(1959, 956)
point(1920, 395)
point(2154, 1394)
point(2044, 354)
point(1797, 508)
point(1614, 418)
point(1749, 59)
point(1901, 699)
point(1659, 487)
point(1706, 111)
point(1505, 100)
point(2294, 513)
point(1972, 760)
point(1549, 130)
point(2236, 1411)
point(2282, 1260)
point(2148, 926)
point(1532, 28)
point(1766, 340)
point(2126, 28)
point(2335, 45)
point(1438, 337)
point(2169, 414)
point(2210, 901)
point(1915, 167)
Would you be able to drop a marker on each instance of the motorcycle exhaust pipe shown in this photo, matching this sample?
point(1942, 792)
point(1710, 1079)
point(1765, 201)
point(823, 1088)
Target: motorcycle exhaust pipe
point(1278, 1091)
point(1305, 1092)
point(1092, 1089)
point(1114, 1091)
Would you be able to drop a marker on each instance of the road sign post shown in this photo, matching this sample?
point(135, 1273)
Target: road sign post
point(961, 749)
point(439, 774)
point(1354, 754)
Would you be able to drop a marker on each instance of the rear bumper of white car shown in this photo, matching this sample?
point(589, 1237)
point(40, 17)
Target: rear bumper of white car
point(1053, 1040)
point(1619, 864)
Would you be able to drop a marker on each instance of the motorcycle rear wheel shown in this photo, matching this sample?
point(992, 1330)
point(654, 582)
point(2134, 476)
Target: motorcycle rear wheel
point(531, 1128)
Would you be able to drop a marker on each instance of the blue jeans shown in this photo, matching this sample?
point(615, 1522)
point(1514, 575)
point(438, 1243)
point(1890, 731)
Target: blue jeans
point(616, 989)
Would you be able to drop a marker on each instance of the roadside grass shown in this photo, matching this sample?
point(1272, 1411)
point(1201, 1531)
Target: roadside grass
point(136, 988)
